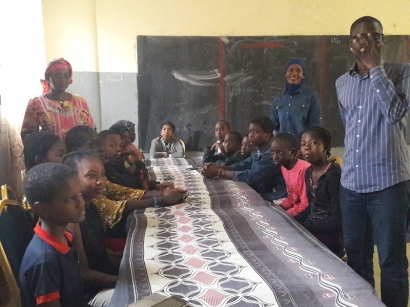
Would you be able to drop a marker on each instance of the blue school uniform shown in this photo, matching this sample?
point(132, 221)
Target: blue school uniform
point(260, 173)
point(50, 271)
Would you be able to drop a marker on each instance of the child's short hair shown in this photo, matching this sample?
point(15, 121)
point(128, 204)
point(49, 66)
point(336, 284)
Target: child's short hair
point(36, 147)
point(44, 181)
point(74, 158)
point(289, 138)
point(264, 122)
point(323, 134)
point(168, 123)
point(105, 133)
point(224, 122)
point(236, 136)
point(78, 137)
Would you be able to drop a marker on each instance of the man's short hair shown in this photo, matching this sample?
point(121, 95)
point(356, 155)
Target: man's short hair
point(366, 20)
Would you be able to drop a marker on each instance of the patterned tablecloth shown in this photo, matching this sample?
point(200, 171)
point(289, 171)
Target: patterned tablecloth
point(226, 246)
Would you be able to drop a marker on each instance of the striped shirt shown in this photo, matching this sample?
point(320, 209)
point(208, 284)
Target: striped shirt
point(372, 108)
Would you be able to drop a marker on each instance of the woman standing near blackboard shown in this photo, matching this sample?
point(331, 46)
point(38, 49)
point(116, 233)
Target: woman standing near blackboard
point(298, 107)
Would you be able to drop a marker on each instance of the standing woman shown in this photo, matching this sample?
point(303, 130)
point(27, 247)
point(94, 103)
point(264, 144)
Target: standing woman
point(298, 107)
point(56, 111)
point(167, 144)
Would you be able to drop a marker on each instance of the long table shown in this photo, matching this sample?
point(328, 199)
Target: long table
point(226, 246)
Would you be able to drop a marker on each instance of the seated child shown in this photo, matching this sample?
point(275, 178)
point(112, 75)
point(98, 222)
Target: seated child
point(232, 147)
point(49, 273)
point(96, 266)
point(246, 147)
point(284, 149)
point(112, 145)
point(323, 218)
point(258, 171)
point(41, 147)
point(167, 144)
point(119, 200)
point(222, 127)
point(135, 176)
point(126, 130)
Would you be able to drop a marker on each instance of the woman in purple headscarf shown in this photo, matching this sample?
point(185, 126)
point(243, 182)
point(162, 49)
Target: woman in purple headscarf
point(298, 107)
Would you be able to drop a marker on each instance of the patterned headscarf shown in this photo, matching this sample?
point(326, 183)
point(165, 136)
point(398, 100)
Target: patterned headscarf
point(53, 66)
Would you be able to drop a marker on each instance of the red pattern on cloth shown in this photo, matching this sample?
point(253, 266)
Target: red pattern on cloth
point(56, 116)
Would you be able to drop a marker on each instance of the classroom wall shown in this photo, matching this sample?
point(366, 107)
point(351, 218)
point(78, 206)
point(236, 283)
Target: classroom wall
point(98, 37)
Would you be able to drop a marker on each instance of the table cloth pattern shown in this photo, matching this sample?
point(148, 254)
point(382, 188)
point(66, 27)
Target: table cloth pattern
point(226, 246)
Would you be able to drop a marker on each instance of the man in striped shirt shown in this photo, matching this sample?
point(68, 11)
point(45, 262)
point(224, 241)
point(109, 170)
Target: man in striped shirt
point(375, 194)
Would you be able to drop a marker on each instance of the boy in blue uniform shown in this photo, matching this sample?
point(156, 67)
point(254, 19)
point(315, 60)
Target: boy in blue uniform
point(49, 272)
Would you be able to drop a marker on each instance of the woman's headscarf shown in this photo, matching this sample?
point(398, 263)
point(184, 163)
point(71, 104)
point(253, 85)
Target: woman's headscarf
point(293, 88)
point(53, 66)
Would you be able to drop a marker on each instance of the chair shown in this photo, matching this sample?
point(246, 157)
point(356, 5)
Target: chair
point(16, 231)
point(336, 159)
point(9, 290)
point(7, 193)
point(183, 146)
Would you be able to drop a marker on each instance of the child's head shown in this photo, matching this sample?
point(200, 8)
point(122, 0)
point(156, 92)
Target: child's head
point(246, 147)
point(82, 138)
point(284, 148)
point(315, 144)
point(111, 145)
point(54, 192)
point(167, 131)
point(43, 147)
point(232, 142)
point(260, 131)
point(90, 172)
point(126, 130)
point(222, 127)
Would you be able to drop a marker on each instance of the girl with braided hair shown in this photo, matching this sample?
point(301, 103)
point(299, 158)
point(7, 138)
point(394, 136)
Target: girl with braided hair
point(284, 149)
point(323, 217)
point(43, 147)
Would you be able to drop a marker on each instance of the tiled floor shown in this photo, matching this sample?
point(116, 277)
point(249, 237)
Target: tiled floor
point(377, 270)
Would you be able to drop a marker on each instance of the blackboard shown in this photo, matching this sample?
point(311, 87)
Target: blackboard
point(194, 81)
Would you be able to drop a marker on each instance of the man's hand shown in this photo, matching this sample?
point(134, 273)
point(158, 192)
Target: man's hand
point(366, 50)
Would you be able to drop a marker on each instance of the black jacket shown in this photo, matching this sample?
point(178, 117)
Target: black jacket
point(220, 160)
point(323, 215)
